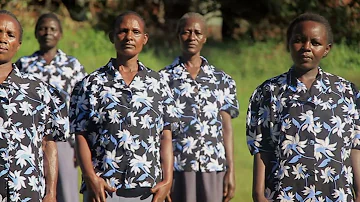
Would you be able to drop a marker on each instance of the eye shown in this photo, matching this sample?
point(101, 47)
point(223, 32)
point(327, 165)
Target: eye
point(137, 32)
point(315, 43)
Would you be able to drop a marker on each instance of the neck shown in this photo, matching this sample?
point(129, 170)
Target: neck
point(127, 65)
point(48, 53)
point(306, 76)
point(193, 61)
point(5, 70)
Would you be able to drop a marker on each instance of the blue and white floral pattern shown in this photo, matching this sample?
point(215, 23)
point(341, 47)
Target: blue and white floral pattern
point(123, 124)
point(29, 111)
point(310, 133)
point(198, 142)
point(63, 72)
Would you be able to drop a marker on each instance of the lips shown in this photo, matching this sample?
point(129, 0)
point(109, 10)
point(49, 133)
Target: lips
point(3, 48)
point(305, 57)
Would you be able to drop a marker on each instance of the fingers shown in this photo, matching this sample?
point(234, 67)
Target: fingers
point(108, 188)
point(168, 198)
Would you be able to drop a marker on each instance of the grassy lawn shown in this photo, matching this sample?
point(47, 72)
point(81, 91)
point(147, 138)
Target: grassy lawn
point(248, 64)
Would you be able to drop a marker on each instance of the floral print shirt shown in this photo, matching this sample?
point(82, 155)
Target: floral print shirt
point(123, 124)
point(29, 111)
point(63, 72)
point(198, 142)
point(310, 134)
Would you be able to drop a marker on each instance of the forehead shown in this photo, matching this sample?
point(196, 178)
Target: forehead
point(192, 21)
point(9, 20)
point(129, 18)
point(309, 25)
point(48, 21)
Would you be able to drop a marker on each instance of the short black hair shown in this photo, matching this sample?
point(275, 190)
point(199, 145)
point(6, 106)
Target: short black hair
point(52, 16)
point(188, 15)
point(6, 12)
point(120, 18)
point(309, 17)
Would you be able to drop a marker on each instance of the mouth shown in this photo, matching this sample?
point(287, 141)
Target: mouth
point(3, 49)
point(128, 46)
point(305, 58)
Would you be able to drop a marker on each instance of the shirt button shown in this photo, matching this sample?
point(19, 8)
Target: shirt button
point(311, 142)
point(128, 99)
point(128, 153)
point(129, 125)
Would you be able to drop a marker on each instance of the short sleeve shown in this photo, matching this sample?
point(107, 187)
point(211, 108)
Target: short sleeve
point(57, 121)
point(229, 102)
point(258, 133)
point(79, 109)
point(356, 136)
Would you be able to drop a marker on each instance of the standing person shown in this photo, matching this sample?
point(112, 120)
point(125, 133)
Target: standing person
point(121, 115)
point(206, 102)
point(62, 71)
point(303, 125)
point(32, 117)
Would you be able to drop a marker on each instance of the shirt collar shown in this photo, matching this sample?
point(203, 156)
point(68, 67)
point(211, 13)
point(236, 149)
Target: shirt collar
point(293, 82)
point(115, 72)
point(179, 68)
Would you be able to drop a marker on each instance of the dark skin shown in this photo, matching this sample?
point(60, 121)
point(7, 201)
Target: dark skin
point(128, 38)
point(9, 45)
point(48, 34)
point(192, 37)
point(308, 45)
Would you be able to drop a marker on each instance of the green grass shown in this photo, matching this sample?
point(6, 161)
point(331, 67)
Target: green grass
point(249, 64)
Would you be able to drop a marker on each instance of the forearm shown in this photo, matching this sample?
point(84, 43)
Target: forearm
point(261, 162)
point(51, 165)
point(167, 158)
point(83, 156)
point(355, 161)
point(228, 140)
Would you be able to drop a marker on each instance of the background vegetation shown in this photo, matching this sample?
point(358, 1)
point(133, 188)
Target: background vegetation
point(249, 62)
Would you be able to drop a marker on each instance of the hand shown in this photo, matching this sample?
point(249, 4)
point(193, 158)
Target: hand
point(161, 192)
point(49, 198)
point(97, 187)
point(229, 186)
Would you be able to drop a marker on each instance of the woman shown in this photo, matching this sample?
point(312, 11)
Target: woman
point(303, 125)
point(206, 102)
point(62, 71)
point(123, 134)
point(32, 117)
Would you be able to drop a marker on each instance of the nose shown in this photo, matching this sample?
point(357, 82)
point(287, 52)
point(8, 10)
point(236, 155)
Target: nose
point(307, 45)
point(192, 36)
point(3, 38)
point(129, 35)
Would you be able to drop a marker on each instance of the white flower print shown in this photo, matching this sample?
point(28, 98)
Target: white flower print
point(299, 171)
point(17, 181)
point(340, 195)
point(293, 143)
point(328, 174)
point(286, 197)
point(189, 145)
point(211, 109)
point(146, 121)
point(114, 116)
point(324, 147)
point(140, 164)
point(186, 89)
point(142, 98)
point(26, 108)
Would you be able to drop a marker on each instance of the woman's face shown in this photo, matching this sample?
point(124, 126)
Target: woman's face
point(192, 36)
point(308, 44)
point(9, 38)
point(48, 33)
point(129, 36)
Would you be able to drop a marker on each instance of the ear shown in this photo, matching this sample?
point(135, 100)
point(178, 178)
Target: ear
point(146, 38)
point(111, 36)
point(327, 50)
point(18, 47)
